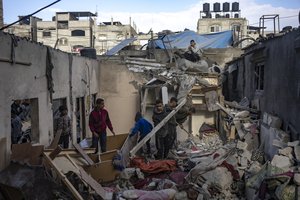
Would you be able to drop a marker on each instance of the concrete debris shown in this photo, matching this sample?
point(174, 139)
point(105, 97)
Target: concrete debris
point(293, 144)
point(297, 179)
point(282, 162)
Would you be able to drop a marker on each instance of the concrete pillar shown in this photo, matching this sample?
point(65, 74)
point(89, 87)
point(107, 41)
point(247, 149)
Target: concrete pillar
point(1, 14)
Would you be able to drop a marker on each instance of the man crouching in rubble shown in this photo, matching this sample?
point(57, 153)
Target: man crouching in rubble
point(98, 121)
point(143, 127)
point(192, 53)
point(161, 136)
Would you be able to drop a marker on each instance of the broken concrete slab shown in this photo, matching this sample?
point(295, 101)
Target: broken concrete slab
point(286, 151)
point(297, 179)
point(279, 144)
point(219, 178)
point(297, 152)
point(271, 120)
point(282, 162)
point(294, 143)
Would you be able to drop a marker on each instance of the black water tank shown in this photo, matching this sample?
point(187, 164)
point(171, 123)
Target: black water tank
point(236, 15)
point(217, 7)
point(227, 16)
point(88, 52)
point(206, 7)
point(235, 6)
point(226, 6)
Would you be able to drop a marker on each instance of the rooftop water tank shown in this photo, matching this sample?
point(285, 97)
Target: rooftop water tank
point(235, 6)
point(206, 7)
point(226, 6)
point(217, 7)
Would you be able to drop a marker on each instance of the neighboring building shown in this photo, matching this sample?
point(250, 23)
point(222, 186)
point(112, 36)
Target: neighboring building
point(26, 28)
point(72, 31)
point(109, 34)
point(217, 20)
point(268, 74)
point(68, 31)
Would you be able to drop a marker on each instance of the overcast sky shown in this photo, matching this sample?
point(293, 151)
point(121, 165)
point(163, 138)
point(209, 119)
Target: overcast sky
point(175, 15)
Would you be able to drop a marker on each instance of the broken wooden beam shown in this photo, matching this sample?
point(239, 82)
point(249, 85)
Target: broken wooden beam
point(84, 155)
point(225, 110)
point(55, 141)
point(75, 193)
point(95, 185)
point(156, 128)
point(55, 152)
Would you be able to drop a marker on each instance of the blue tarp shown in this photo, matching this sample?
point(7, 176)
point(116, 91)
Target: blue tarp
point(182, 40)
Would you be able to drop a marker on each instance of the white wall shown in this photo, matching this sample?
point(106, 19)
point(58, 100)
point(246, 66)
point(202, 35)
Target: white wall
point(19, 81)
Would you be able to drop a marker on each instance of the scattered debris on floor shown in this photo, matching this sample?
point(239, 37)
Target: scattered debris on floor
point(243, 155)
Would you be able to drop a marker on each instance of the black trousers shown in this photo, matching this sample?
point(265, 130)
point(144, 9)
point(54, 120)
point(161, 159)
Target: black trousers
point(64, 141)
point(162, 145)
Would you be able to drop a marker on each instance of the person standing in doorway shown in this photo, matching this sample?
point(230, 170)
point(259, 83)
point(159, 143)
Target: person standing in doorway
point(63, 124)
point(98, 122)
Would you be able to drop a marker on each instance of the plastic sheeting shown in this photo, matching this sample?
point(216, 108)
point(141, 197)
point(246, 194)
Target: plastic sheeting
point(204, 41)
point(120, 46)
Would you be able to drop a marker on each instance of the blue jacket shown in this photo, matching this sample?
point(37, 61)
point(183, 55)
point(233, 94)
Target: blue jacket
point(142, 126)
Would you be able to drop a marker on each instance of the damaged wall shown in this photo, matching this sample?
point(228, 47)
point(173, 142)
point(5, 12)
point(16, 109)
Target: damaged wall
point(278, 92)
point(26, 79)
point(120, 90)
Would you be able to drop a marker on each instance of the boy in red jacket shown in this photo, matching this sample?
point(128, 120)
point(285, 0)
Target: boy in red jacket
point(98, 121)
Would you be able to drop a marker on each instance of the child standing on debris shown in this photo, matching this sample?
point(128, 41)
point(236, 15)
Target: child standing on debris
point(63, 124)
point(143, 127)
point(172, 124)
point(98, 122)
point(161, 136)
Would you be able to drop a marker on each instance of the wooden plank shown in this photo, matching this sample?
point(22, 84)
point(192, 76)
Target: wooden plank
point(3, 151)
point(72, 161)
point(225, 110)
point(102, 172)
point(71, 151)
point(144, 102)
point(115, 142)
point(63, 178)
point(104, 156)
point(55, 152)
point(232, 133)
point(94, 185)
point(156, 128)
point(55, 141)
point(84, 155)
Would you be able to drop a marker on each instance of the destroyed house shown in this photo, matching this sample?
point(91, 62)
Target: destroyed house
point(221, 151)
point(268, 75)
